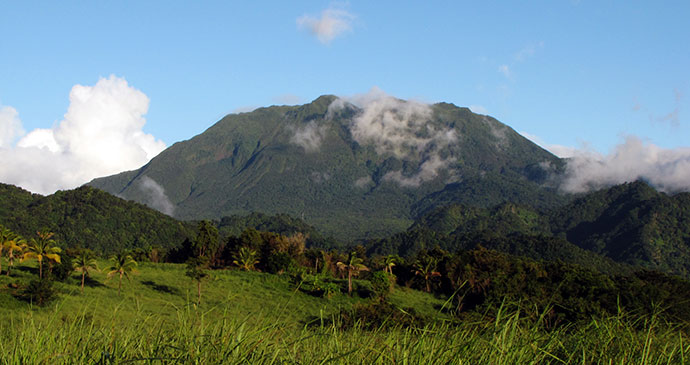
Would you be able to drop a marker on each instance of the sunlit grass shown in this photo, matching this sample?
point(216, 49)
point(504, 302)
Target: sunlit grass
point(249, 317)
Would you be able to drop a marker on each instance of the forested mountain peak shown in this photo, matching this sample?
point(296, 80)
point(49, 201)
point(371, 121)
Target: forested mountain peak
point(354, 168)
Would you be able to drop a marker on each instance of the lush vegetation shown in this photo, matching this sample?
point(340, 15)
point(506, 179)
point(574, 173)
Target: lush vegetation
point(249, 162)
point(611, 229)
point(156, 320)
point(498, 285)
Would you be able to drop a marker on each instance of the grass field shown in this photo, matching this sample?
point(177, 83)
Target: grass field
point(250, 317)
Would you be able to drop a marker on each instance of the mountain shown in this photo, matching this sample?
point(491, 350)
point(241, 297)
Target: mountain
point(631, 224)
point(351, 171)
point(90, 218)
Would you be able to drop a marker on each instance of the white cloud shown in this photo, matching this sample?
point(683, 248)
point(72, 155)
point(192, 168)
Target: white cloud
point(399, 128)
point(155, 196)
point(10, 126)
point(309, 136)
point(101, 134)
point(428, 170)
point(528, 51)
point(666, 169)
point(332, 24)
point(505, 70)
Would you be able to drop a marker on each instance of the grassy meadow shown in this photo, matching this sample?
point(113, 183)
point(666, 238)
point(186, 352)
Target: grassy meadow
point(252, 317)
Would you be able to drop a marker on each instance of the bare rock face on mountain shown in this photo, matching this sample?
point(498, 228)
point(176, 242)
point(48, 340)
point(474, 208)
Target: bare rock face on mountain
point(353, 168)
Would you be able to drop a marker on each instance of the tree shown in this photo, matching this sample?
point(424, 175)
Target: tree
point(353, 266)
point(426, 268)
point(42, 248)
point(196, 271)
point(14, 245)
point(84, 261)
point(390, 261)
point(6, 236)
point(206, 242)
point(246, 258)
point(122, 264)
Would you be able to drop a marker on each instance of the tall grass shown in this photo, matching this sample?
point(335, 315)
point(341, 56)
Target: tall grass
point(197, 336)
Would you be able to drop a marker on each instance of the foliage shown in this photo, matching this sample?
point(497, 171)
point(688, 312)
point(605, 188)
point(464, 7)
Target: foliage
point(42, 248)
point(123, 265)
point(249, 162)
point(196, 270)
point(90, 218)
point(39, 292)
point(382, 284)
point(84, 261)
point(246, 258)
point(352, 266)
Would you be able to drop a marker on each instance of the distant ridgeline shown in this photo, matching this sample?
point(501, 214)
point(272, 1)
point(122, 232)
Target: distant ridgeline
point(630, 223)
point(91, 218)
point(353, 172)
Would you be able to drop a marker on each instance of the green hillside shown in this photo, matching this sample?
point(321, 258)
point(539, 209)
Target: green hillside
point(90, 218)
point(629, 223)
point(338, 181)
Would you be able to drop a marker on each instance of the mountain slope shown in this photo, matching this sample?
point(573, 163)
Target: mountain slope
point(90, 218)
point(631, 223)
point(351, 171)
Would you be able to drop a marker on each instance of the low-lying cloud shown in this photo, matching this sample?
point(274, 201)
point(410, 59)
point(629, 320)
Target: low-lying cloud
point(399, 128)
point(309, 136)
point(666, 169)
point(155, 196)
point(333, 23)
point(101, 134)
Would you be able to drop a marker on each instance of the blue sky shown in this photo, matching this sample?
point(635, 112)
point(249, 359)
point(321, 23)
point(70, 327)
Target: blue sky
point(578, 74)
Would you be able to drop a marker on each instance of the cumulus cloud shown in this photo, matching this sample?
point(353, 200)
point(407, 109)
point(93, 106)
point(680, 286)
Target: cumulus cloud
point(101, 134)
point(10, 126)
point(309, 136)
point(666, 169)
point(399, 128)
point(155, 196)
point(333, 23)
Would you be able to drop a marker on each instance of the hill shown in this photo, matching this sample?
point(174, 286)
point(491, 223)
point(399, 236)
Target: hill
point(90, 218)
point(351, 171)
point(630, 223)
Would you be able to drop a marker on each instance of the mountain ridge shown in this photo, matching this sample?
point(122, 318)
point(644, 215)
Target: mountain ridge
point(338, 165)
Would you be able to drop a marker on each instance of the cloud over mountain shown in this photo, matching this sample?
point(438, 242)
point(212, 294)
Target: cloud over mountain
point(399, 128)
point(333, 23)
point(666, 169)
point(101, 134)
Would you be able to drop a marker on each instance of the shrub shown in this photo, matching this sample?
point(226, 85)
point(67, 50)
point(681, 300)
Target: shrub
point(39, 292)
point(381, 284)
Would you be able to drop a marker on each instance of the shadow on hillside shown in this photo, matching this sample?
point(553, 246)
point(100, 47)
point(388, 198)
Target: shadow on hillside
point(91, 283)
point(31, 270)
point(161, 288)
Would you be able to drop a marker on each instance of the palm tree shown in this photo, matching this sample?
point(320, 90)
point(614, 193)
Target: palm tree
point(426, 268)
point(15, 245)
point(83, 263)
point(40, 248)
point(122, 264)
point(6, 236)
point(390, 261)
point(353, 266)
point(246, 258)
